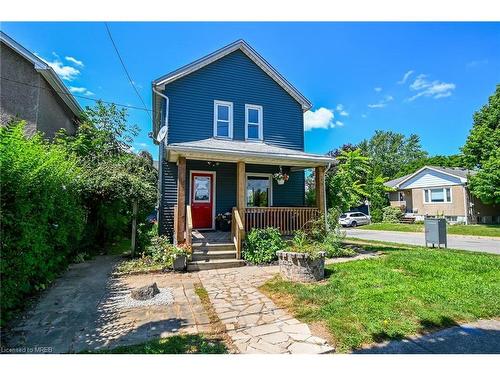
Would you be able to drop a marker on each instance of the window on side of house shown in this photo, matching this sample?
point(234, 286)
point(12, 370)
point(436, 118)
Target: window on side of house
point(259, 191)
point(223, 119)
point(253, 122)
point(437, 195)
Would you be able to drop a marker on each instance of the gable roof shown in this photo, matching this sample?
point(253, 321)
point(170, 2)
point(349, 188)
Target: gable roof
point(455, 172)
point(46, 71)
point(214, 56)
point(252, 54)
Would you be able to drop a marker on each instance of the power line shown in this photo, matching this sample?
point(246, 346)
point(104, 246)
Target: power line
point(76, 96)
point(124, 67)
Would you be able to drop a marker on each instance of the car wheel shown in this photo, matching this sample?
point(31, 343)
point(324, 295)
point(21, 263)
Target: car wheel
point(353, 224)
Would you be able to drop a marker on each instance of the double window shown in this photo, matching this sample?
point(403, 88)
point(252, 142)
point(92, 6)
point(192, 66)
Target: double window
point(253, 122)
point(438, 195)
point(223, 119)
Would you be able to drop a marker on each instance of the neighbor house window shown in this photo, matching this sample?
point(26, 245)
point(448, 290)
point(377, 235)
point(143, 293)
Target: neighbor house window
point(253, 122)
point(259, 190)
point(223, 119)
point(438, 195)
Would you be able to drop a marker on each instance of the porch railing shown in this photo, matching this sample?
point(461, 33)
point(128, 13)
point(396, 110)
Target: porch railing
point(174, 240)
point(189, 226)
point(286, 219)
point(237, 231)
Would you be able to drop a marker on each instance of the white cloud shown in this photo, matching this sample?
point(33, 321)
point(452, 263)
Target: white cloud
point(339, 123)
point(378, 89)
point(435, 89)
point(476, 63)
point(66, 72)
point(405, 77)
point(74, 61)
point(364, 115)
point(322, 118)
point(341, 111)
point(382, 103)
point(80, 90)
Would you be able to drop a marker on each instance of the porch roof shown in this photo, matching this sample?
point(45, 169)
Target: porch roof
point(214, 149)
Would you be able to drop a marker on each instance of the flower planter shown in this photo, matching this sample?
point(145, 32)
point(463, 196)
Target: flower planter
point(180, 262)
point(280, 182)
point(301, 267)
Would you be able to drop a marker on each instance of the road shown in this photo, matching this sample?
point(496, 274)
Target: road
point(471, 243)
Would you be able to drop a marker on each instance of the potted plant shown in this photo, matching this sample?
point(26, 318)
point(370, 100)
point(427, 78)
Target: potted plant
point(179, 258)
point(281, 177)
point(223, 222)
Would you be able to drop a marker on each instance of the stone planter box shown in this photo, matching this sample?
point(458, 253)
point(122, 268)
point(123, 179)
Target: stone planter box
point(301, 267)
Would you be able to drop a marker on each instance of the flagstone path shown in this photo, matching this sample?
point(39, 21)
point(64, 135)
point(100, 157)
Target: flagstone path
point(252, 320)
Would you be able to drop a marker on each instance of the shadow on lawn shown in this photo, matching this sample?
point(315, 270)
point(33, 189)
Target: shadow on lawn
point(454, 339)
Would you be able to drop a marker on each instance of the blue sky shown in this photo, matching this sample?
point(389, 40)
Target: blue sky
point(354, 73)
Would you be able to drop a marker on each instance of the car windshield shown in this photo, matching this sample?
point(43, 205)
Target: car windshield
point(343, 216)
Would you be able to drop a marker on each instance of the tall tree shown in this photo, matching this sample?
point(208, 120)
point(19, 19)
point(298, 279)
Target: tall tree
point(390, 152)
point(481, 151)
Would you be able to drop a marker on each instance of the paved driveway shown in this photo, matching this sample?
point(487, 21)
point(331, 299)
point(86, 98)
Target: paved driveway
point(471, 243)
point(84, 309)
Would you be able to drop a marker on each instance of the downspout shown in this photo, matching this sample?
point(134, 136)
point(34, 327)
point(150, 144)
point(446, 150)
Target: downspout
point(466, 205)
point(324, 198)
point(160, 162)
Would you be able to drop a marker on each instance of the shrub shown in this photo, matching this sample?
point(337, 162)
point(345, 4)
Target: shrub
point(392, 214)
point(261, 245)
point(42, 214)
point(376, 215)
point(160, 250)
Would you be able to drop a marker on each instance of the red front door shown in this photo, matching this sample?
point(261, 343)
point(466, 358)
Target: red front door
point(202, 201)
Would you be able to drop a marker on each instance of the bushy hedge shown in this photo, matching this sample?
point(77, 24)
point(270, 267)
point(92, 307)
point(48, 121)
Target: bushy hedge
point(42, 216)
point(261, 245)
point(392, 214)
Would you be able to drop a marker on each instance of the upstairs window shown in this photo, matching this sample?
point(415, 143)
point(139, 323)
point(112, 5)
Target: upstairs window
point(223, 119)
point(253, 122)
point(439, 195)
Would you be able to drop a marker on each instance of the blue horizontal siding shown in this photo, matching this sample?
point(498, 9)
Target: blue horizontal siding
point(234, 78)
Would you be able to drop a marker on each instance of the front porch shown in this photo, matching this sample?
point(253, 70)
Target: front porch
point(198, 182)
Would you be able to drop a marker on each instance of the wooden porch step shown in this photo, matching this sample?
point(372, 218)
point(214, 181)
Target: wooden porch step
point(213, 264)
point(207, 254)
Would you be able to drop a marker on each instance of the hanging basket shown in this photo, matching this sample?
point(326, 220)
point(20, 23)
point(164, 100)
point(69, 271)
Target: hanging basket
point(280, 181)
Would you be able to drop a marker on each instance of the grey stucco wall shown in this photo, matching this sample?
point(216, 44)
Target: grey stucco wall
point(34, 101)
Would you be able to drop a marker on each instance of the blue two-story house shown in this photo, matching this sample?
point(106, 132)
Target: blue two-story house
point(230, 130)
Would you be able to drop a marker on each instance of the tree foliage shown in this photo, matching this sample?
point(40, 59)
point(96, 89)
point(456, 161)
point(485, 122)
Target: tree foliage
point(481, 151)
point(390, 151)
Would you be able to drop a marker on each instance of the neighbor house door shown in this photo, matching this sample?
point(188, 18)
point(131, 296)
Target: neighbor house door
point(202, 199)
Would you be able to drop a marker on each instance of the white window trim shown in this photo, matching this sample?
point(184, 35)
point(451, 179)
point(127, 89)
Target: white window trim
point(230, 130)
point(268, 175)
point(444, 193)
point(260, 124)
point(214, 192)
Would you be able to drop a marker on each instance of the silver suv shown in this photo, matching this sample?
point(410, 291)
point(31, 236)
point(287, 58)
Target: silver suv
point(353, 219)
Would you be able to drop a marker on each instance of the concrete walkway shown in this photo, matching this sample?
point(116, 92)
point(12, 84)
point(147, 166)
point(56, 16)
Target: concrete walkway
point(481, 337)
point(470, 243)
point(252, 320)
point(83, 310)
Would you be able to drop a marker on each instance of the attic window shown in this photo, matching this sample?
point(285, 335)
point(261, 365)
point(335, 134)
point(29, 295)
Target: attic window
point(223, 119)
point(253, 122)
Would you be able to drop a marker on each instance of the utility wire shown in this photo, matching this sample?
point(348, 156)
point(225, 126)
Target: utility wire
point(125, 68)
point(76, 96)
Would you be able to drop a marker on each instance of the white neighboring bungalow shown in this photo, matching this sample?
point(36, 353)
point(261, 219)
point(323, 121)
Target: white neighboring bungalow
point(437, 191)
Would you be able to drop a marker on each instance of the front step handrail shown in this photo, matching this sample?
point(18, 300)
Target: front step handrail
point(189, 226)
point(237, 231)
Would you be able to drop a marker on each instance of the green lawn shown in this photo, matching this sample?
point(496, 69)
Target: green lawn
point(180, 344)
point(401, 293)
point(471, 230)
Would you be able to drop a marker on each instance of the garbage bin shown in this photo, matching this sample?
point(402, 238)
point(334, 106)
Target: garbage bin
point(435, 232)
